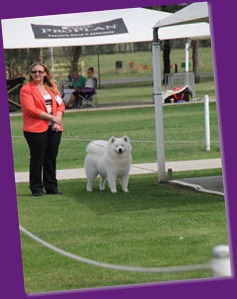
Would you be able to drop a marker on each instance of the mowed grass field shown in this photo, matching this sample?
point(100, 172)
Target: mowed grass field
point(184, 134)
point(154, 225)
point(142, 92)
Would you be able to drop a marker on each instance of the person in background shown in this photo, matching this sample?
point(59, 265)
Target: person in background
point(42, 109)
point(90, 86)
point(91, 81)
point(78, 82)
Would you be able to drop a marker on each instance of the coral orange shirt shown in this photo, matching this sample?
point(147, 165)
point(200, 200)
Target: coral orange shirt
point(33, 103)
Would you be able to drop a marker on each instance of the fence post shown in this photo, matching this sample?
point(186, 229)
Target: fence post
point(221, 261)
point(207, 122)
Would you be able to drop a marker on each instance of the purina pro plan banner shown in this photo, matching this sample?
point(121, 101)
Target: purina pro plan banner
point(113, 27)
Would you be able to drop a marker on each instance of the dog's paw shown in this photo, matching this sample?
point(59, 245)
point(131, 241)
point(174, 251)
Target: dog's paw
point(114, 191)
point(102, 187)
point(125, 190)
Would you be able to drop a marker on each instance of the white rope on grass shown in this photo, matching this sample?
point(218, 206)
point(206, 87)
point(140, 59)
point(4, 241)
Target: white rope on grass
point(112, 266)
point(76, 138)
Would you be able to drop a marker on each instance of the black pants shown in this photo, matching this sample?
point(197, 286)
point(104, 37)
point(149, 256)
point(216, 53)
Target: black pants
point(43, 153)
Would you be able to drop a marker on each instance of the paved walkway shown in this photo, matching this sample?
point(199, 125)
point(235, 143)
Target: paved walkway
point(136, 169)
point(206, 184)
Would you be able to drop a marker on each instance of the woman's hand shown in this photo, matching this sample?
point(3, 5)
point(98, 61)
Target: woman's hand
point(57, 118)
point(55, 127)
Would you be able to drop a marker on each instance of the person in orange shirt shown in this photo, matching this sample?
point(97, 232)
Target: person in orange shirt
point(42, 110)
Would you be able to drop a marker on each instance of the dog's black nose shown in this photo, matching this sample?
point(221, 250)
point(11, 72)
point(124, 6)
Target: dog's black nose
point(120, 150)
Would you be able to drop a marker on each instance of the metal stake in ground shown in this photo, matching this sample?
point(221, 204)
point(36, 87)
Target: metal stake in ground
point(207, 122)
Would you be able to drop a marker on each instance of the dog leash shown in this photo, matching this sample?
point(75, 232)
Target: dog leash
point(82, 139)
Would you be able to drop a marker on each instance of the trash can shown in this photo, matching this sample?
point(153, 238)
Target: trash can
point(118, 64)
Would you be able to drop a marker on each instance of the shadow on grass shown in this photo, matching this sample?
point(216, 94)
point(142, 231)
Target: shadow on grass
point(145, 193)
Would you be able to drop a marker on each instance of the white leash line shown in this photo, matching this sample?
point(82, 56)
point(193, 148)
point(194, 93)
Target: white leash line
point(143, 168)
point(112, 266)
point(75, 138)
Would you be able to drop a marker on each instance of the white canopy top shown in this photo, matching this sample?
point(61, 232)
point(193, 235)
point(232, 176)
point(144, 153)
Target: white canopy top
point(196, 12)
point(192, 31)
point(80, 29)
point(93, 28)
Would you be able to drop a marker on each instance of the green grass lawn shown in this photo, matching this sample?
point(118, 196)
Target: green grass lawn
point(154, 225)
point(184, 134)
point(143, 92)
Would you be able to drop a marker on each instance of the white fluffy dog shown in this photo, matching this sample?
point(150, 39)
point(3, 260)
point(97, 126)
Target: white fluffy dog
point(111, 160)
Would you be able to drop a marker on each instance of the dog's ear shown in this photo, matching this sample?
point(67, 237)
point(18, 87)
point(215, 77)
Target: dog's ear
point(112, 139)
point(125, 138)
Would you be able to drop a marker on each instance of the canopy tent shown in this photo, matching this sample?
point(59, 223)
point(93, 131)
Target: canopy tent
point(192, 13)
point(196, 12)
point(93, 28)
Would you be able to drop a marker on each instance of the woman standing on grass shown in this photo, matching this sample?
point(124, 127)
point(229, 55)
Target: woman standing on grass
point(43, 109)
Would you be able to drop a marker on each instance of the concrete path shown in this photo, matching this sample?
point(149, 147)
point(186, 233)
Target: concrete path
point(136, 169)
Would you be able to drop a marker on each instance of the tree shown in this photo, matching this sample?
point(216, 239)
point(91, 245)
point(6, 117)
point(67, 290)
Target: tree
point(166, 58)
point(18, 61)
point(195, 59)
point(73, 55)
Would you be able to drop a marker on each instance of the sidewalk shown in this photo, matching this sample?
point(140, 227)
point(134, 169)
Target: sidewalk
point(136, 169)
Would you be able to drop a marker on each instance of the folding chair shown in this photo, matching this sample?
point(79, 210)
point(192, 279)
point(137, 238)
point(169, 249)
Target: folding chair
point(87, 96)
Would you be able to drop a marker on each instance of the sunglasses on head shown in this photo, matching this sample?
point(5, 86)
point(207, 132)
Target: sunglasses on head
point(35, 72)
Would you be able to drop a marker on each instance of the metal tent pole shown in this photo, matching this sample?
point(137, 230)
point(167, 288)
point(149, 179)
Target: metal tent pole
point(157, 94)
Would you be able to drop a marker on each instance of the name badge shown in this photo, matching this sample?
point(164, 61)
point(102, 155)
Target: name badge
point(58, 99)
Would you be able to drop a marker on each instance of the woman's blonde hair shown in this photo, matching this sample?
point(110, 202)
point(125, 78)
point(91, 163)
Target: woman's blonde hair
point(48, 79)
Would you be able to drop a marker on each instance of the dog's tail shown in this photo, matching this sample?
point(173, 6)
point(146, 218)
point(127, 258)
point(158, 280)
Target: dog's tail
point(96, 147)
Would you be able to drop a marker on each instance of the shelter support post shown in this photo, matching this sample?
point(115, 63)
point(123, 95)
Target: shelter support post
point(207, 123)
point(187, 45)
point(98, 63)
point(51, 59)
point(157, 94)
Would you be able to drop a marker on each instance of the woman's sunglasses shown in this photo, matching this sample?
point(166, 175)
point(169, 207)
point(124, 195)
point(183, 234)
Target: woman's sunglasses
point(40, 72)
